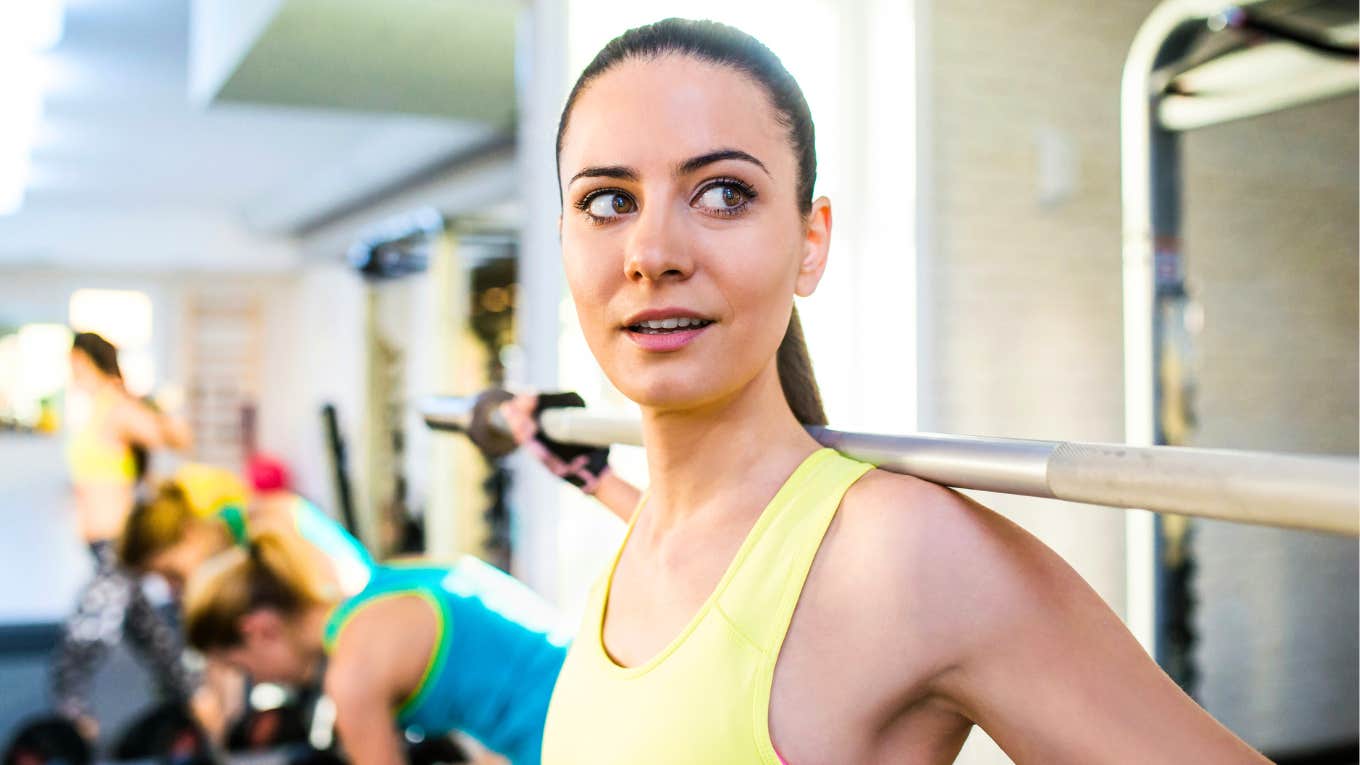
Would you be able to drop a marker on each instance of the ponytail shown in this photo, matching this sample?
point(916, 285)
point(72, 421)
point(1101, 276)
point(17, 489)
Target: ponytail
point(795, 375)
point(154, 527)
point(266, 574)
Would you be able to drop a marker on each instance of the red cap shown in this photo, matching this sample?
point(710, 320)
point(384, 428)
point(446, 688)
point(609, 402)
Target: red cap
point(267, 473)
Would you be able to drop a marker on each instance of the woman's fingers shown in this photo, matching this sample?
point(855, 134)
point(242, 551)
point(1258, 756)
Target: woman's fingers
point(519, 414)
point(554, 465)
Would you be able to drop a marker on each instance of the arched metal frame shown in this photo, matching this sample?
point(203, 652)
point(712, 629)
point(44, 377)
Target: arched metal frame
point(1153, 117)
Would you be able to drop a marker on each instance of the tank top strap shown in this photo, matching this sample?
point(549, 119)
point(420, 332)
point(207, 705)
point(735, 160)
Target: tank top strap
point(760, 600)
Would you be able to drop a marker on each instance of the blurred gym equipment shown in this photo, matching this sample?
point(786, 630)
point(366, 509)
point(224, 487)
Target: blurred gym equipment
point(1196, 64)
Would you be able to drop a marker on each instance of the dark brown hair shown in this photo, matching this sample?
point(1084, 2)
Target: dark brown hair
point(101, 353)
point(727, 46)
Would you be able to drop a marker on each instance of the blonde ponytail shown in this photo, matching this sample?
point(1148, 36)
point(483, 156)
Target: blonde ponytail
point(155, 526)
point(267, 574)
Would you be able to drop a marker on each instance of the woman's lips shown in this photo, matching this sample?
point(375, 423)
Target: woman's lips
point(666, 340)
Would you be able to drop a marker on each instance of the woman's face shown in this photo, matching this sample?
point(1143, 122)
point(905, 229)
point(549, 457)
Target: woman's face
point(84, 374)
point(679, 188)
point(269, 650)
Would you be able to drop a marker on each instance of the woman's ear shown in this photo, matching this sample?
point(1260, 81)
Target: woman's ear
point(816, 242)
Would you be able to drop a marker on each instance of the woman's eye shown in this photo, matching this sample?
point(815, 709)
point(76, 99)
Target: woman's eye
point(610, 205)
point(721, 197)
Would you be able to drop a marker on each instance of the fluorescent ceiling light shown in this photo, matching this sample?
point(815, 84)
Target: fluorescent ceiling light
point(27, 27)
point(20, 111)
point(32, 25)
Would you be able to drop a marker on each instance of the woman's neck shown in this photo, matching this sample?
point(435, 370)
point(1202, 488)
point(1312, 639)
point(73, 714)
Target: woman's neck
point(703, 459)
point(108, 386)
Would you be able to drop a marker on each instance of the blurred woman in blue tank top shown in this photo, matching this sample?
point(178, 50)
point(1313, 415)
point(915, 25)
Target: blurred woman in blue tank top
point(438, 649)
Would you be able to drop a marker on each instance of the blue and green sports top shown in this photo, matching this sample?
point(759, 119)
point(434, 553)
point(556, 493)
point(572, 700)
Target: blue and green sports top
point(496, 659)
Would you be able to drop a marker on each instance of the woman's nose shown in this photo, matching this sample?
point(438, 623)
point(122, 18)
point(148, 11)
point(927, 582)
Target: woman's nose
point(656, 250)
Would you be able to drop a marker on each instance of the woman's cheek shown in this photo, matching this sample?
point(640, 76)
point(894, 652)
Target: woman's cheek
point(578, 283)
point(591, 302)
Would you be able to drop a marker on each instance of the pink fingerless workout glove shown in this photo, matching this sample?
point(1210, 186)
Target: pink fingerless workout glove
point(581, 466)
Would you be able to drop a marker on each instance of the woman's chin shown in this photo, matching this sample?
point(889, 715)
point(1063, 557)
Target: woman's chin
point(671, 392)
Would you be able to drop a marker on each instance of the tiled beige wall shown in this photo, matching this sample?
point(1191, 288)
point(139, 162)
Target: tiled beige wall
point(1271, 251)
point(1022, 298)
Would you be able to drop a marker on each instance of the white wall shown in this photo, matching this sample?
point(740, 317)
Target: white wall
point(541, 87)
point(314, 353)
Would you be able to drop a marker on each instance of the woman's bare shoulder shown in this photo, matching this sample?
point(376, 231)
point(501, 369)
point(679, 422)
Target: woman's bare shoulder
point(938, 560)
point(886, 511)
point(370, 656)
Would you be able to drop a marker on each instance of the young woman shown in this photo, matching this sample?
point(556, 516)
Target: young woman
point(774, 601)
point(439, 649)
point(204, 510)
point(106, 453)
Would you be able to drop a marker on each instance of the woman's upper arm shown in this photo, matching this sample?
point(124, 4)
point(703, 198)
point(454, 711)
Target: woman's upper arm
point(140, 423)
point(363, 722)
point(375, 665)
point(1044, 665)
point(384, 647)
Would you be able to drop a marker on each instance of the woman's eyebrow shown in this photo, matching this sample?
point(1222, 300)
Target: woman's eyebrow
point(623, 172)
point(607, 171)
point(690, 165)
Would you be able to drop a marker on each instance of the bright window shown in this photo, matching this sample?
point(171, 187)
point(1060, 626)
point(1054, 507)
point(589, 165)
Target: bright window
point(33, 364)
point(124, 318)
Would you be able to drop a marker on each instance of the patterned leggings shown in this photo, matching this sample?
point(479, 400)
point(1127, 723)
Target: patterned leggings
point(111, 607)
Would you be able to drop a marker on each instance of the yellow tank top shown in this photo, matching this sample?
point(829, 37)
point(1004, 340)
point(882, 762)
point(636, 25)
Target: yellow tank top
point(705, 698)
point(92, 458)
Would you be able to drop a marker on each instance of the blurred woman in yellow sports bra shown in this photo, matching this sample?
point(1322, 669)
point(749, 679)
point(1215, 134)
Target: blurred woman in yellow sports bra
point(103, 450)
point(106, 451)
